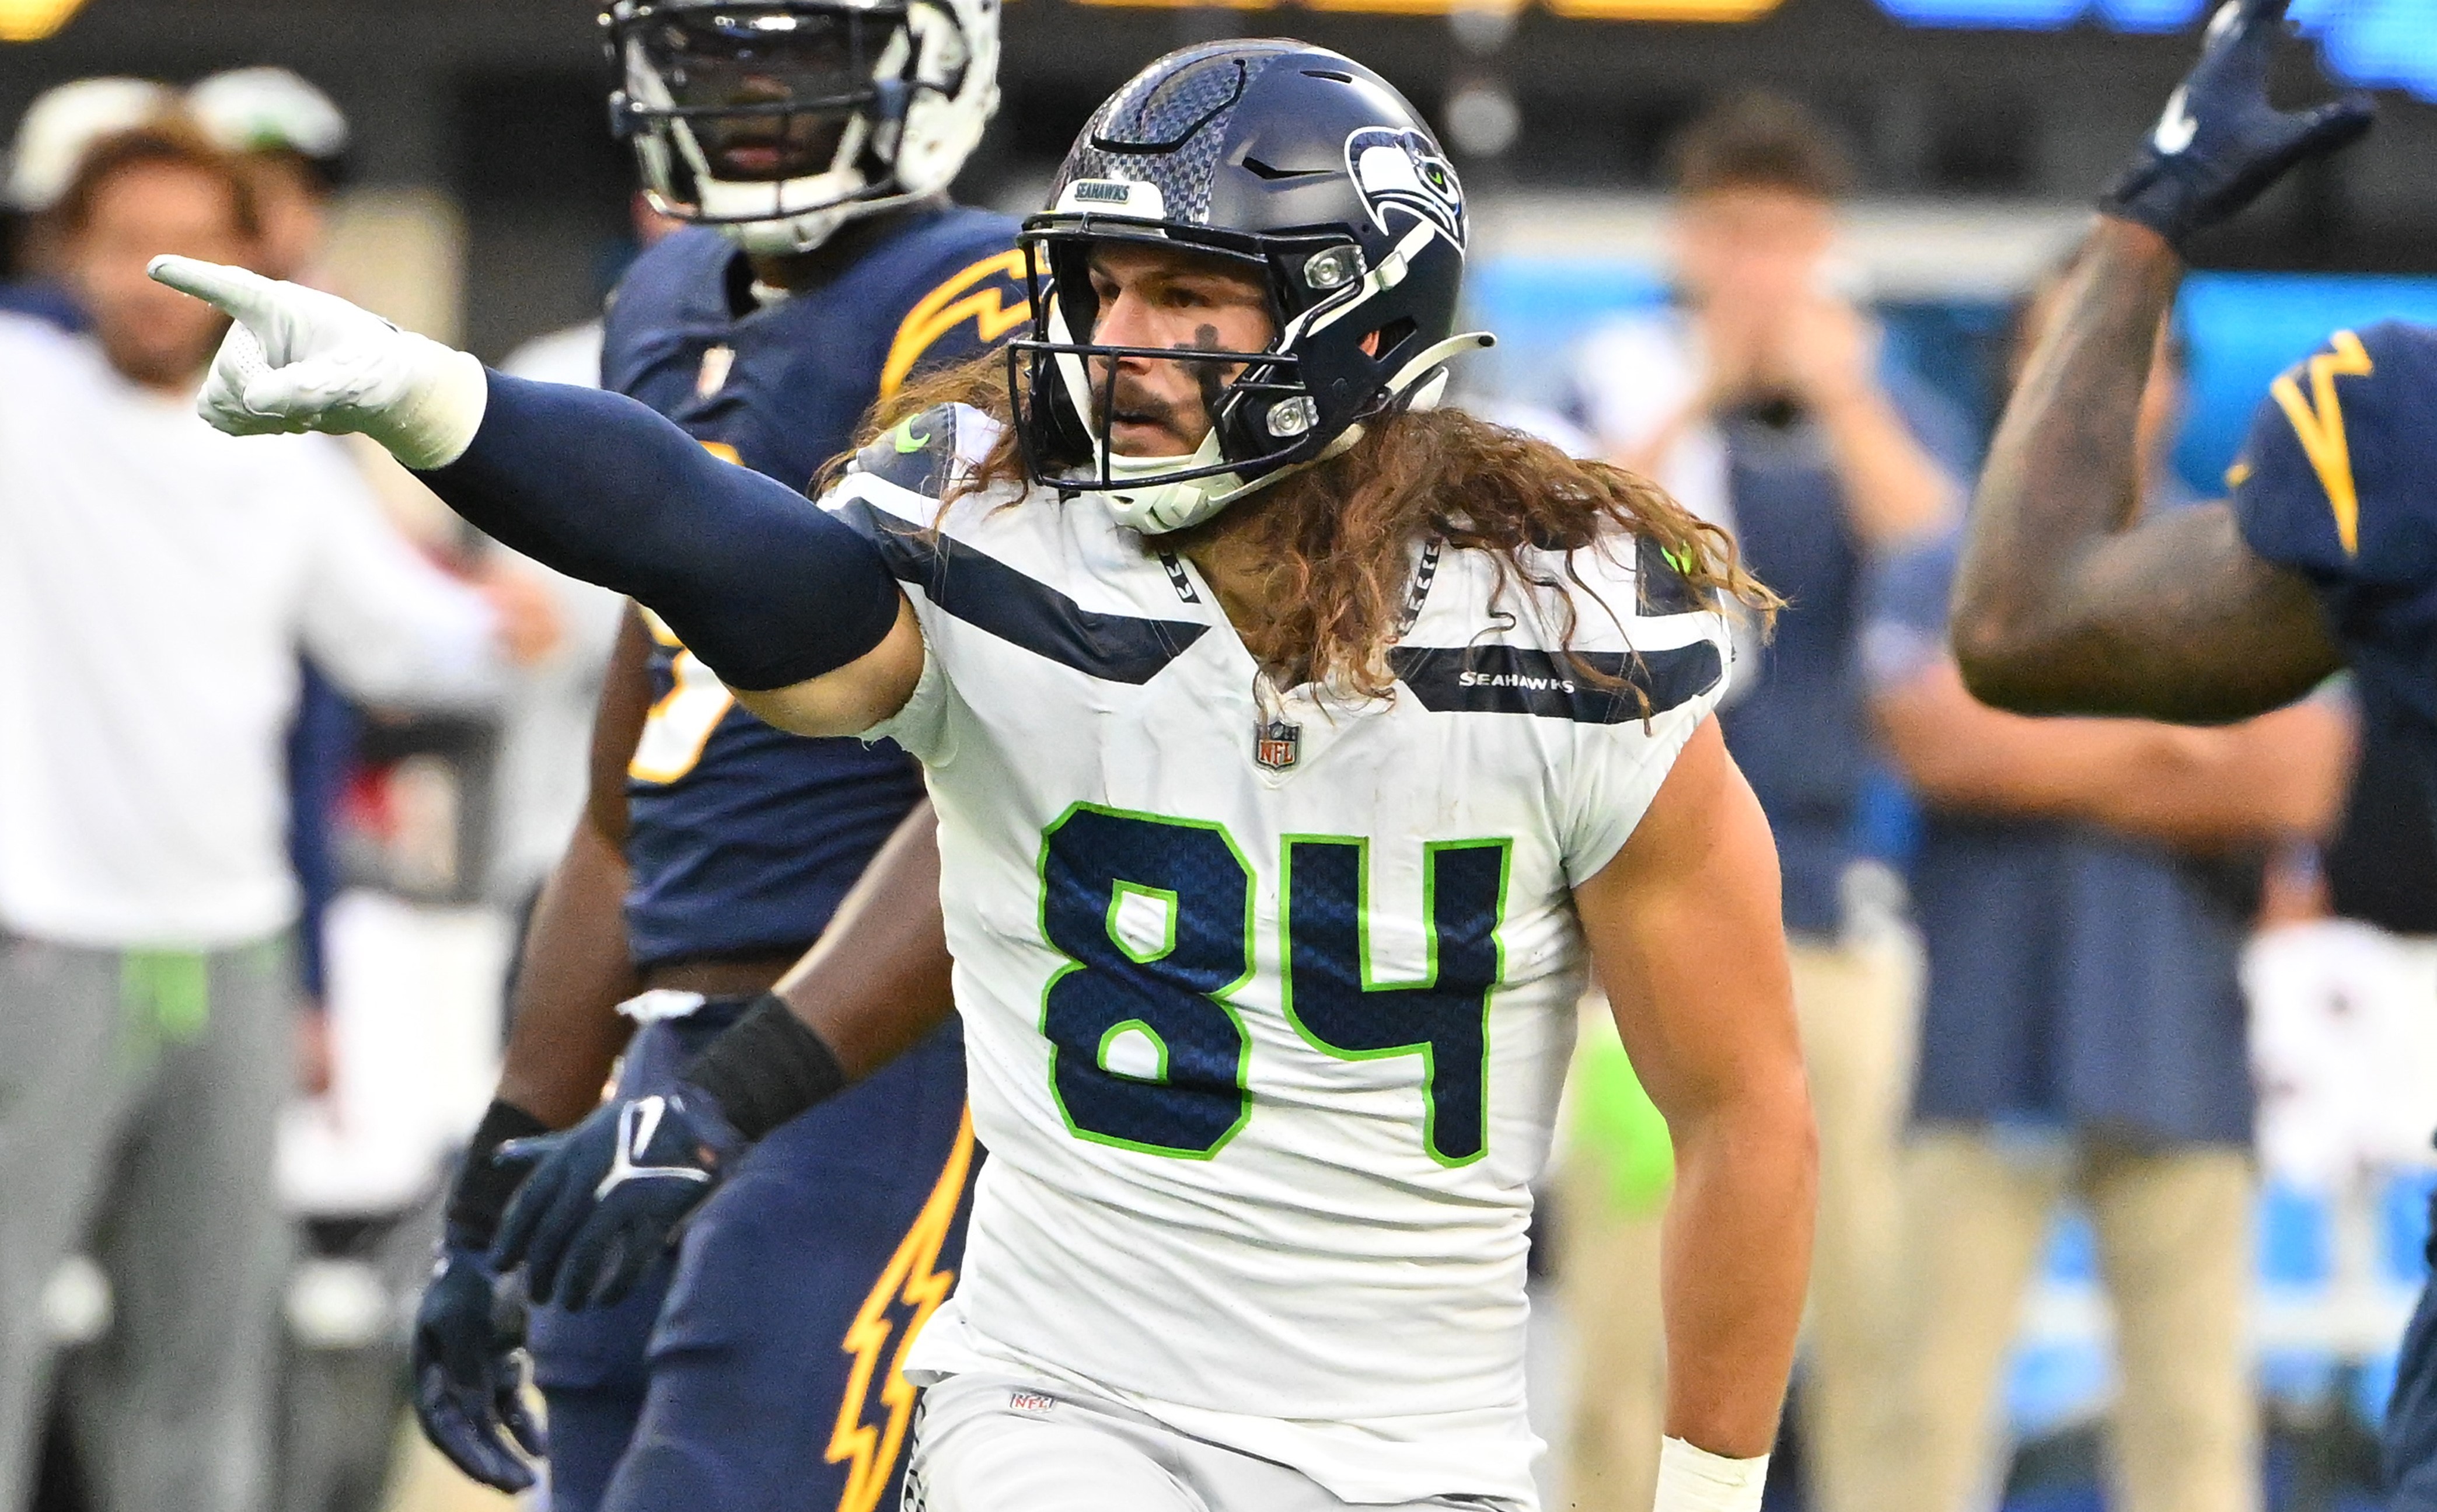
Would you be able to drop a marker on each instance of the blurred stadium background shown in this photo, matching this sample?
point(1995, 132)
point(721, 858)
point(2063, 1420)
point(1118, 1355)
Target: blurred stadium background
point(486, 203)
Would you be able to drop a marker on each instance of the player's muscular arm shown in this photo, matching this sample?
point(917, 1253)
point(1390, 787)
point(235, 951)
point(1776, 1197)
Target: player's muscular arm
point(576, 968)
point(878, 979)
point(856, 697)
point(1685, 936)
point(2068, 602)
point(788, 605)
point(2273, 777)
point(875, 982)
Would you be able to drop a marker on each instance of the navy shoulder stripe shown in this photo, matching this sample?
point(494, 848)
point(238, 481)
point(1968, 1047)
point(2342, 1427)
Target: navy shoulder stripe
point(990, 595)
point(1502, 679)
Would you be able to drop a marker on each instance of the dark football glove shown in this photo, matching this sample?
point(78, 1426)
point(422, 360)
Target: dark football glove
point(2220, 143)
point(469, 1383)
point(608, 1196)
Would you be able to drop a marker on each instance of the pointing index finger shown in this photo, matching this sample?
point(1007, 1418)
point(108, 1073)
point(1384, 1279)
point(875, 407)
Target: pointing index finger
point(236, 291)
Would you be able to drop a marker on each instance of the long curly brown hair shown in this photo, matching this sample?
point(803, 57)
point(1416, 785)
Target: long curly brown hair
point(1338, 536)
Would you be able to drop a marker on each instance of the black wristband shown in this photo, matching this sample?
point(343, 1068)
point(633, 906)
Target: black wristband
point(483, 1187)
point(768, 1068)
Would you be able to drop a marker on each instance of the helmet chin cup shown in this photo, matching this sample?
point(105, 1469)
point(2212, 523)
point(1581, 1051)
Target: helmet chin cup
point(764, 217)
point(783, 238)
point(1163, 503)
point(1163, 506)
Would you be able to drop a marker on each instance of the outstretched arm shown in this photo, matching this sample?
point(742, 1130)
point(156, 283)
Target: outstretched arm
point(769, 590)
point(2068, 602)
point(1685, 936)
point(784, 602)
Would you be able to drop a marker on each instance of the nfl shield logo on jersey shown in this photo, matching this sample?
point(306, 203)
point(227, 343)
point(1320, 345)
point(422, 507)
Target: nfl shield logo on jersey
point(1276, 745)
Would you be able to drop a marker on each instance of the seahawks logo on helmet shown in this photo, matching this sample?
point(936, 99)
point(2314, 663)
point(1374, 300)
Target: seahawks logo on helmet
point(1405, 170)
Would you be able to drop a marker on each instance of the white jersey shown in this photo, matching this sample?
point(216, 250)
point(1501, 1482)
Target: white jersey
point(1266, 1008)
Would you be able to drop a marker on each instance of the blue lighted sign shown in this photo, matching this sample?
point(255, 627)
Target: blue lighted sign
point(2379, 43)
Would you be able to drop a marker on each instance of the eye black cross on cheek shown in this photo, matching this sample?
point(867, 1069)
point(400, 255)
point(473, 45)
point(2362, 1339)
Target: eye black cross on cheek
point(1205, 339)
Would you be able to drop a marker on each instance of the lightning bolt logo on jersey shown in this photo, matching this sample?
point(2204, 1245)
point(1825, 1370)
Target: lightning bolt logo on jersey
point(1265, 1051)
point(2334, 483)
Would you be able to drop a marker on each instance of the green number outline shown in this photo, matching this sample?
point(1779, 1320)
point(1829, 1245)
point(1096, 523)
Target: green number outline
point(1217, 999)
point(1158, 1041)
point(1429, 979)
point(1135, 889)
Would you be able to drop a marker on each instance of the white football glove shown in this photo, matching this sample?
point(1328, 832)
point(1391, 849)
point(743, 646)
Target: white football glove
point(300, 360)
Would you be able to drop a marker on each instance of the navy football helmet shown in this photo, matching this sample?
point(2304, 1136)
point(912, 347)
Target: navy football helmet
point(781, 120)
point(1315, 175)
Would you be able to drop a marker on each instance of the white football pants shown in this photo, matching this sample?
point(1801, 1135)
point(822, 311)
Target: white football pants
point(994, 1444)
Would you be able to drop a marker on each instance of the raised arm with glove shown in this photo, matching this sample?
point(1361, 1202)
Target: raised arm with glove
point(769, 589)
point(2068, 601)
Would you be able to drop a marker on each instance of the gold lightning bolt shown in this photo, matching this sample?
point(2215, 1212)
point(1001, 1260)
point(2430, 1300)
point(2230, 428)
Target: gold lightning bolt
point(912, 1279)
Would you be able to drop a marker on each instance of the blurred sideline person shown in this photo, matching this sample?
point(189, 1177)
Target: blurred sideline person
point(712, 848)
point(50, 140)
point(290, 138)
point(156, 581)
point(2319, 562)
point(293, 141)
point(1249, 1238)
point(1763, 403)
point(2083, 889)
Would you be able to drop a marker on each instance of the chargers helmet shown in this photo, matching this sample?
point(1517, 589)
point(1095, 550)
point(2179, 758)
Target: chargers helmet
point(1314, 174)
point(781, 120)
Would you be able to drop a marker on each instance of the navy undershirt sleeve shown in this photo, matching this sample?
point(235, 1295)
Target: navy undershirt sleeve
point(760, 583)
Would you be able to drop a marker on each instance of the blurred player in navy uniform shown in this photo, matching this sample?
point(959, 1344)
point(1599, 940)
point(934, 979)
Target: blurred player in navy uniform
point(755, 1368)
point(2325, 557)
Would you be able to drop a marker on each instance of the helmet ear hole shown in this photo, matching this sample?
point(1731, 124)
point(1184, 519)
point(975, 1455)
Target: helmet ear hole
point(1389, 337)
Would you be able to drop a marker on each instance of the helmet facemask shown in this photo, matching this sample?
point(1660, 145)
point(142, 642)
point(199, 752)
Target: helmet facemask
point(1300, 398)
point(780, 120)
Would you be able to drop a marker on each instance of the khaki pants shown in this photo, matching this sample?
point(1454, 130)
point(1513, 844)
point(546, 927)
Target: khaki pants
point(2174, 1237)
point(1857, 1006)
point(1607, 1276)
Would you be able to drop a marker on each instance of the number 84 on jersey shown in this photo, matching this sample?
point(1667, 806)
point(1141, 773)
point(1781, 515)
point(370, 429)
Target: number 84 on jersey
point(1155, 917)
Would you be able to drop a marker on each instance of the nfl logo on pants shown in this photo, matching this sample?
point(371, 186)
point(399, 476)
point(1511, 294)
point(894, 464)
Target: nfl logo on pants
point(1274, 744)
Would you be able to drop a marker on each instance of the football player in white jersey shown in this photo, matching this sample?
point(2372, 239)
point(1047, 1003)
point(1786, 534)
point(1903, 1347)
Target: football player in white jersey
point(1299, 750)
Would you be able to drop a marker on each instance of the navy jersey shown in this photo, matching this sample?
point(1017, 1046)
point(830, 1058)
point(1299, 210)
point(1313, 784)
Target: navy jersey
point(2338, 482)
point(741, 838)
